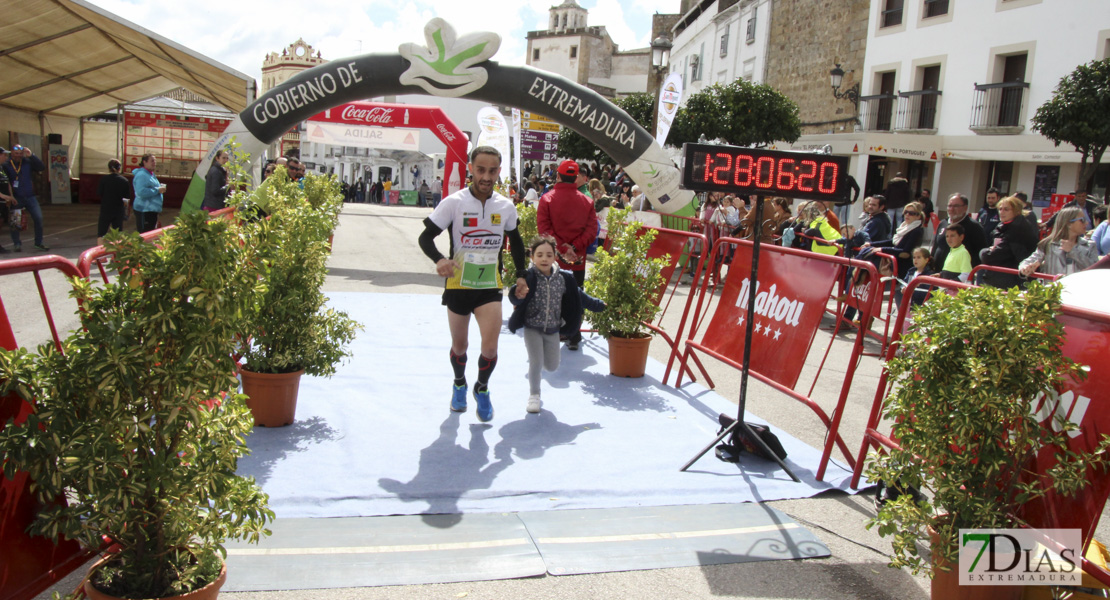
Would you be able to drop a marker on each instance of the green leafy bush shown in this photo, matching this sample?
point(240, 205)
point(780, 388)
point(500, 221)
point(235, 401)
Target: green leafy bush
point(137, 422)
point(289, 324)
point(966, 382)
point(625, 279)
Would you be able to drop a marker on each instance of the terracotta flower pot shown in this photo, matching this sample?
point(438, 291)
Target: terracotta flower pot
point(628, 356)
point(272, 397)
point(208, 592)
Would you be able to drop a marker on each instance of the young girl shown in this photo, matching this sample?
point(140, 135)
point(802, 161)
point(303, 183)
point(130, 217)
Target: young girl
point(922, 265)
point(553, 306)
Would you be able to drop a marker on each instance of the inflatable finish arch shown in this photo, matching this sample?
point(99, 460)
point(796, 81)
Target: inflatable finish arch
point(456, 67)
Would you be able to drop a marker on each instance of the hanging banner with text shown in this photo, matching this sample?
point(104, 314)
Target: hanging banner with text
point(539, 139)
point(363, 136)
point(670, 96)
point(790, 300)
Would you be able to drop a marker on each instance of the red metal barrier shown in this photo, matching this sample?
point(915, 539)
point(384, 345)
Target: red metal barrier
point(1085, 403)
point(797, 283)
point(975, 270)
point(676, 246)
point(97, 254)
point(29, 564)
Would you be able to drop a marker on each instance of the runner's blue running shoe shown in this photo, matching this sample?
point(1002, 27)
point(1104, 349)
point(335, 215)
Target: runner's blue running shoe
point(458, 398)
point(485, 407)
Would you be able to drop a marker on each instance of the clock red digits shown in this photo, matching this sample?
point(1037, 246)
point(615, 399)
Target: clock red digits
point(708, 164)
point(746, 170)
point(718, 171)
point(770, 162)
point(811, 173)
point(831, 180)
point(785, 178)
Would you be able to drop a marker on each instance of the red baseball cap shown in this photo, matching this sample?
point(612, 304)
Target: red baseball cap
point(568, 167)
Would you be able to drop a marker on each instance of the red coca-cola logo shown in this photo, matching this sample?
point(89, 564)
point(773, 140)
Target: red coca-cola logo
point(377, 114)
point(447, 135)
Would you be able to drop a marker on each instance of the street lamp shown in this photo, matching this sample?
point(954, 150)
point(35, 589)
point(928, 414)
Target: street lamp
point(660, 52)
point(852, 93)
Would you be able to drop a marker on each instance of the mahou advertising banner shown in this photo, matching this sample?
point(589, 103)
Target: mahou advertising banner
point(791, 294)
point(1085, 403)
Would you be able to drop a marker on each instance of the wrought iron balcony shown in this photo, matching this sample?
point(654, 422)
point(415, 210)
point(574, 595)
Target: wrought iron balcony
point(876, 112)
point(997, 108)
point(917, 111)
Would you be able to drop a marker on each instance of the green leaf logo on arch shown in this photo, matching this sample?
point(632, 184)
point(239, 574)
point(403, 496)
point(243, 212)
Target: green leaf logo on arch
point(445, 67)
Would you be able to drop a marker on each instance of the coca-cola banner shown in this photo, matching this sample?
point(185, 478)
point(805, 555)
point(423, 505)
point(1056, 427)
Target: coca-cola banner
point(447, 64)
point(791, 293)
point(394, 126)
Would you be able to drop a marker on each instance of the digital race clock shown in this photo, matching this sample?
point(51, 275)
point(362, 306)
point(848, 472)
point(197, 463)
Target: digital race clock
point(745, 171)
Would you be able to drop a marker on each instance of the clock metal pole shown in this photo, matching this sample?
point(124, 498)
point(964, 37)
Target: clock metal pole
point(757, 232)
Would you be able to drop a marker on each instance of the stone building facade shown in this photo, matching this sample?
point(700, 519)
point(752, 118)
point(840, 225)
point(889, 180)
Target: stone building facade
point(587, 55)
point(807, 38)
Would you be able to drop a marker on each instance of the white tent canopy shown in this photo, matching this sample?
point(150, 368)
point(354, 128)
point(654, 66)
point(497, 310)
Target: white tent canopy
point(68, 58)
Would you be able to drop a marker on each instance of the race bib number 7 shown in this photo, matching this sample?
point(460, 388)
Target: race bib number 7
point(479, 271)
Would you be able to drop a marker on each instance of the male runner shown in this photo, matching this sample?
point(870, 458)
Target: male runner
point(479, 220)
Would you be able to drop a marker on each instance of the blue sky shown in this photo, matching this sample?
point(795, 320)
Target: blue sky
point(239, 33)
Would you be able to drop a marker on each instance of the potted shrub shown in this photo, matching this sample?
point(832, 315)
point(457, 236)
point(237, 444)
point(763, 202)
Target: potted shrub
point(137, 423)
point(966, 383)
point(291, 330)
point(628, 282)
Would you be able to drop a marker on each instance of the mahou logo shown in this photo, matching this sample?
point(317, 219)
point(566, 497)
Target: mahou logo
point(379, 115)
point(770, 305)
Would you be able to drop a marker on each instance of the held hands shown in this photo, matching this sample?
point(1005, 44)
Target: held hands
point(521, 288)
point(446, 267)
point(570, 255)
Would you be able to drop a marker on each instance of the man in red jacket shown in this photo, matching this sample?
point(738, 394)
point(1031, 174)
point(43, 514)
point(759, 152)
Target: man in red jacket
point(568, 215)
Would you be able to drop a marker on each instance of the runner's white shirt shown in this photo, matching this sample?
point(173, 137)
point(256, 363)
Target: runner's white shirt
point(477, 233)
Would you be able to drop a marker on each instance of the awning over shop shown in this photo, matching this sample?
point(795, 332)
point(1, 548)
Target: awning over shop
point(911, 147)
point(1014, 156)
point(72, 59)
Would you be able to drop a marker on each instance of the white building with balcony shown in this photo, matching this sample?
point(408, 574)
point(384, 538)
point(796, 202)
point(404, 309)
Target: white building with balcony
point(949, 88)
point(720, 41)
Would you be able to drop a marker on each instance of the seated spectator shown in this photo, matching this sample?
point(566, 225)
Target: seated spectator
point(1064, 251)
point(1101, 233)
point(1014, 240)
point(906, 238)
point(957, 263)
point(817, 227)
point(781, 214)
point(922, 266)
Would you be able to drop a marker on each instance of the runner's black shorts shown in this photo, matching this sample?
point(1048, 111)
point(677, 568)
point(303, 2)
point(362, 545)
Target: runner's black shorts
point(463, 302)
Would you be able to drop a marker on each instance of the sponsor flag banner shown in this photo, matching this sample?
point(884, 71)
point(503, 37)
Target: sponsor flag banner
point(790, 300)
point(493, 131)
point(670, 96)
point(59, 174)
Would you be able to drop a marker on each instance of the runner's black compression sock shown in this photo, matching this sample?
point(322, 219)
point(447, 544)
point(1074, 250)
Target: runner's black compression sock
point(485, 368)
point(458, 364)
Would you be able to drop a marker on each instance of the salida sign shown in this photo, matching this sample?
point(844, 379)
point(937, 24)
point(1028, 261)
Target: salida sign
point(789, 302)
